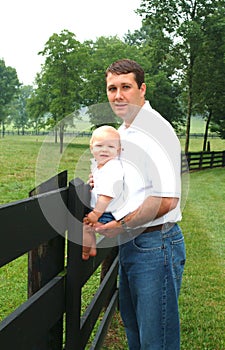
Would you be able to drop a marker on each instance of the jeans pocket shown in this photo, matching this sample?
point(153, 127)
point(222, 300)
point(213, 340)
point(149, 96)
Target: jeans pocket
point(178, 258)
point(148, 242)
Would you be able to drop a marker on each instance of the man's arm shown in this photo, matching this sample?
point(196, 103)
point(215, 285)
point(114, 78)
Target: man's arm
point(152, 208)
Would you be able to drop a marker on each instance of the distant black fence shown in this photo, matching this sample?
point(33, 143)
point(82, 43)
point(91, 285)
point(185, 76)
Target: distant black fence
point(44, 133)
point(51, 318)
point(194, 161)
point(88, 133)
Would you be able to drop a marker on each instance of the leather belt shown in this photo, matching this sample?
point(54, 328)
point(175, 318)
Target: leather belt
point(167, 226)
point(153, 228)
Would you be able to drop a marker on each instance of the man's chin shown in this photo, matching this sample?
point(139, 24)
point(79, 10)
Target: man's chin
point(125, 112)
point(121, 112)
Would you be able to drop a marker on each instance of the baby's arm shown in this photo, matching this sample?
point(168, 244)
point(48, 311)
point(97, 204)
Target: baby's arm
point(100, 208)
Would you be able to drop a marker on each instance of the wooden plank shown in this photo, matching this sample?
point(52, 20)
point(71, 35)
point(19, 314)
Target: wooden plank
point(89, 266)
point(44, 263)
point(47, 260)
point(105, 291)
point(205, 160)
point(29, 226)
point(29, 324)
point(104, 325)
point(52, 184)
point(78, 271)
point(74, 265)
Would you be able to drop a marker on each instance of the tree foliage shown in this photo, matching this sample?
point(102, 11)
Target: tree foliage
point(159, 64)
point(9, 85)
point(210, 77)
point(18, 109)
point(183, 21)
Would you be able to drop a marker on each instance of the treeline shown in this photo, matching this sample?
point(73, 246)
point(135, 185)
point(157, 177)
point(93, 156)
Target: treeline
point(180, 45)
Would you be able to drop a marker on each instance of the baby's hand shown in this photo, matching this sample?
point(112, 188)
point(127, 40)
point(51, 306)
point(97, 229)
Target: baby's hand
point(91, 218)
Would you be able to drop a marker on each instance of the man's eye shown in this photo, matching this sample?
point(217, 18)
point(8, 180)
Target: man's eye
point(126, 87)
point(111, 89)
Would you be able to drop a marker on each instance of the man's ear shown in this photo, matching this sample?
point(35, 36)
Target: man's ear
point(143, 89)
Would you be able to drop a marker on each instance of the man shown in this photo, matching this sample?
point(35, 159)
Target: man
point(152, 252)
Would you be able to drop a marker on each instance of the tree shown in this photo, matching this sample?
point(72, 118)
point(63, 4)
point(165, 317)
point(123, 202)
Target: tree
point(36, 108)
point(61, 77)
point(155, 56)
point(209, 82)
point(18, 108)
point(182, 20)
point(9, 85)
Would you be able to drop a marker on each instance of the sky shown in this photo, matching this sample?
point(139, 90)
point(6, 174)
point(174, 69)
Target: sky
point(26, 26)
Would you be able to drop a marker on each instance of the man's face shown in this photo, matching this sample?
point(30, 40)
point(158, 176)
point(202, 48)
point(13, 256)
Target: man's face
point(124, 95)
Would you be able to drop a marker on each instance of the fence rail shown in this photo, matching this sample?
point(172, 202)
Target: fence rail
point(203, 160)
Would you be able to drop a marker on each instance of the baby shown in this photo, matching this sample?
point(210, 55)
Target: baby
point(107, 193)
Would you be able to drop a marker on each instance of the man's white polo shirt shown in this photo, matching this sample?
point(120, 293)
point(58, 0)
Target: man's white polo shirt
point(151, 157)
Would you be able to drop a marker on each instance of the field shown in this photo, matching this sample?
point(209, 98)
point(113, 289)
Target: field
point(202, 300)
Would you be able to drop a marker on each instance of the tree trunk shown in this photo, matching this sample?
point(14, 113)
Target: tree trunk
point(207, 130)
point(190, 102)
point(3, 129)
point(188, 126)
point(61, 130)
point(56, 134)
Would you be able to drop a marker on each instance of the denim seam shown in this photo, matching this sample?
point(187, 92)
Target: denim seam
point(164, 309)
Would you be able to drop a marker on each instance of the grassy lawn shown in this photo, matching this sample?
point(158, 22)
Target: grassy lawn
point(20, 156)
point(202, 300)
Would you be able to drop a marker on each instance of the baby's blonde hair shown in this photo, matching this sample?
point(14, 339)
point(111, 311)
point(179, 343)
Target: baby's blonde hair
point(107, 129)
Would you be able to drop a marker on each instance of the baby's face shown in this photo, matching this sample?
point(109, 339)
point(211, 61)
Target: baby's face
point(105, 148)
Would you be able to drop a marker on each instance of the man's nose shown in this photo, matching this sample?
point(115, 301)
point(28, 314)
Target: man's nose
point(118, 94)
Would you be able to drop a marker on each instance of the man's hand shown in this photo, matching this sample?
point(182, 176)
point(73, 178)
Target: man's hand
point(111, 229)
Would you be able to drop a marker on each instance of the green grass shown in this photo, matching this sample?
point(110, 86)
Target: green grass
point(197, 125)
point(21, 157)
point(196, 144)
point(202, 300)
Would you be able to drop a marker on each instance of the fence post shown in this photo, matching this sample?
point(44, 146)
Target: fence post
point(46, 261)
point(223, 159)
point(79, 194)
point(200, 160)
point(212, 159)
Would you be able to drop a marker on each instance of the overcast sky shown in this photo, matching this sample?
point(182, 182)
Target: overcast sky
point(26, 25)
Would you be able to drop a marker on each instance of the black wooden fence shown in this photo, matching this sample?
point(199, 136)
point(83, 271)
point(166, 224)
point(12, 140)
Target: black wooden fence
point(51, 318)
point(203, 160)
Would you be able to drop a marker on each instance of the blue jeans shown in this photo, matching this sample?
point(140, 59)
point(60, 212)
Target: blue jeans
point(151, 269)
point(106, 217)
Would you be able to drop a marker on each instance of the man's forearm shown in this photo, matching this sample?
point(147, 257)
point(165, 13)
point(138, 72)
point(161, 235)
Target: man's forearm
point(152, 208)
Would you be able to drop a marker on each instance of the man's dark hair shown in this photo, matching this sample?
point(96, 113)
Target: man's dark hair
point(125, 66)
